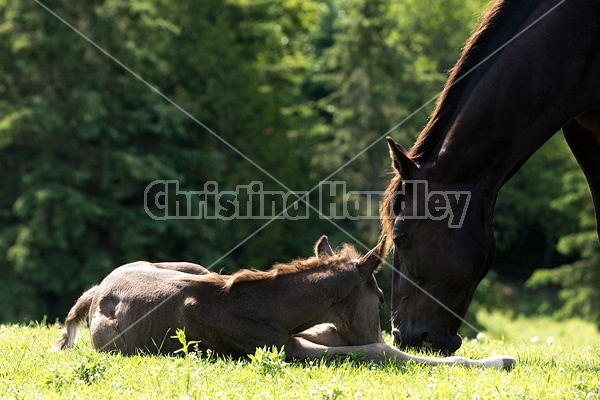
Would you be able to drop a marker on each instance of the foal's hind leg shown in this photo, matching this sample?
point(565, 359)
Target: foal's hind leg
point(585, 145)
point(104, 329)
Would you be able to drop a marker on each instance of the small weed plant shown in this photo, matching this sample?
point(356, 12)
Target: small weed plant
point(185, 344)
point(268, 361)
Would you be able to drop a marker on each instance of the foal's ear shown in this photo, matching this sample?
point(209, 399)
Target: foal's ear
point(322, 248)
point(371, 262)
point(400, 161)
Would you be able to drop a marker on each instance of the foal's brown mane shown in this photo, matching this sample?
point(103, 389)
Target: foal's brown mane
point(475, 50)
point(342, 257)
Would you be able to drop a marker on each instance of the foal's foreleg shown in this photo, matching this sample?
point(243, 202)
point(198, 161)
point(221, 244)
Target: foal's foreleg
point(394, 355)
point(325, 334)
point(498, 362)
point(301, 348)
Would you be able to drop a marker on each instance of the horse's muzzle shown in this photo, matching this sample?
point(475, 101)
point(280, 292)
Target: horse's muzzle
point(442, 344)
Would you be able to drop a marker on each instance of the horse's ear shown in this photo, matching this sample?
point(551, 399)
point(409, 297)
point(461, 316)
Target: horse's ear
point(322, 248)
point(371, 262)
point(400, 161)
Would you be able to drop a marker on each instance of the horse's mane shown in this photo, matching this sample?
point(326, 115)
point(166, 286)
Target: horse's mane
point(342, 257)
point(476, 49)
point(479, 46)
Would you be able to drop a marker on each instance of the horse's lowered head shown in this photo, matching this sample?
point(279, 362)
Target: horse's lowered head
point(355, 314)
point(443, 247)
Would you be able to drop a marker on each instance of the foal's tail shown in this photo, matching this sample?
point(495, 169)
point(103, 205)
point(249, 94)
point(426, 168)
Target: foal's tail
point(75, 318)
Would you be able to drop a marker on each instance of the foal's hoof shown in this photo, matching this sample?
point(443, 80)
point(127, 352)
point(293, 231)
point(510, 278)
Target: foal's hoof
point(500, 362)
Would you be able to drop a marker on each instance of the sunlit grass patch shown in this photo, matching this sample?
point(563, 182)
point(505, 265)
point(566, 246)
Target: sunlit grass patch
point(566, 367)
point(540, 331)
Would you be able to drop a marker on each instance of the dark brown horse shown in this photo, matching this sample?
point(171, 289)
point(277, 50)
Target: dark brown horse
point(318, 307)
point(532, 68)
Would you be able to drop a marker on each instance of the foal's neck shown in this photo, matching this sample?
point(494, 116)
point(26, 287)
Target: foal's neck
point(303, 298)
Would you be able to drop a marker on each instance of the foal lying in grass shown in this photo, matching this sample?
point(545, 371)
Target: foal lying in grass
point(139, 306)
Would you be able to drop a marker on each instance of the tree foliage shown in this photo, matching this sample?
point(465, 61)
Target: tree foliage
point(298, 87)
point(578, 281)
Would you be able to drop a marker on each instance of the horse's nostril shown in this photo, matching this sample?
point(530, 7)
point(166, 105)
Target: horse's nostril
point(426, 341)
point(396, 337)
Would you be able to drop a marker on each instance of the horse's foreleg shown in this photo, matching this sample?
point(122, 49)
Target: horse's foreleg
point(585, 145)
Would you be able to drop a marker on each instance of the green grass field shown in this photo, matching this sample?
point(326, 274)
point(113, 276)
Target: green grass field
point(556, 360)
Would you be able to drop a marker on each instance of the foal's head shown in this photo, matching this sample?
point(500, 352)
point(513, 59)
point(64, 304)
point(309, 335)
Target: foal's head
point(356, 315)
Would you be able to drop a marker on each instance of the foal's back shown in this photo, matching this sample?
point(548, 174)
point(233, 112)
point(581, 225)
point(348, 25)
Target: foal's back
point(140, 305)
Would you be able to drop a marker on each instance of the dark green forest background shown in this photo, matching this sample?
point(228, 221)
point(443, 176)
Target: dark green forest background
point(298, 86)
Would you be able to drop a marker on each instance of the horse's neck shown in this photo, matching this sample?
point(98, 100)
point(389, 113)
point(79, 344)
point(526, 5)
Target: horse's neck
point(505, 109)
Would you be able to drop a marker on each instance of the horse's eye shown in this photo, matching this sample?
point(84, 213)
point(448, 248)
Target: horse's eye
point(381, 299)
point(401, 238)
